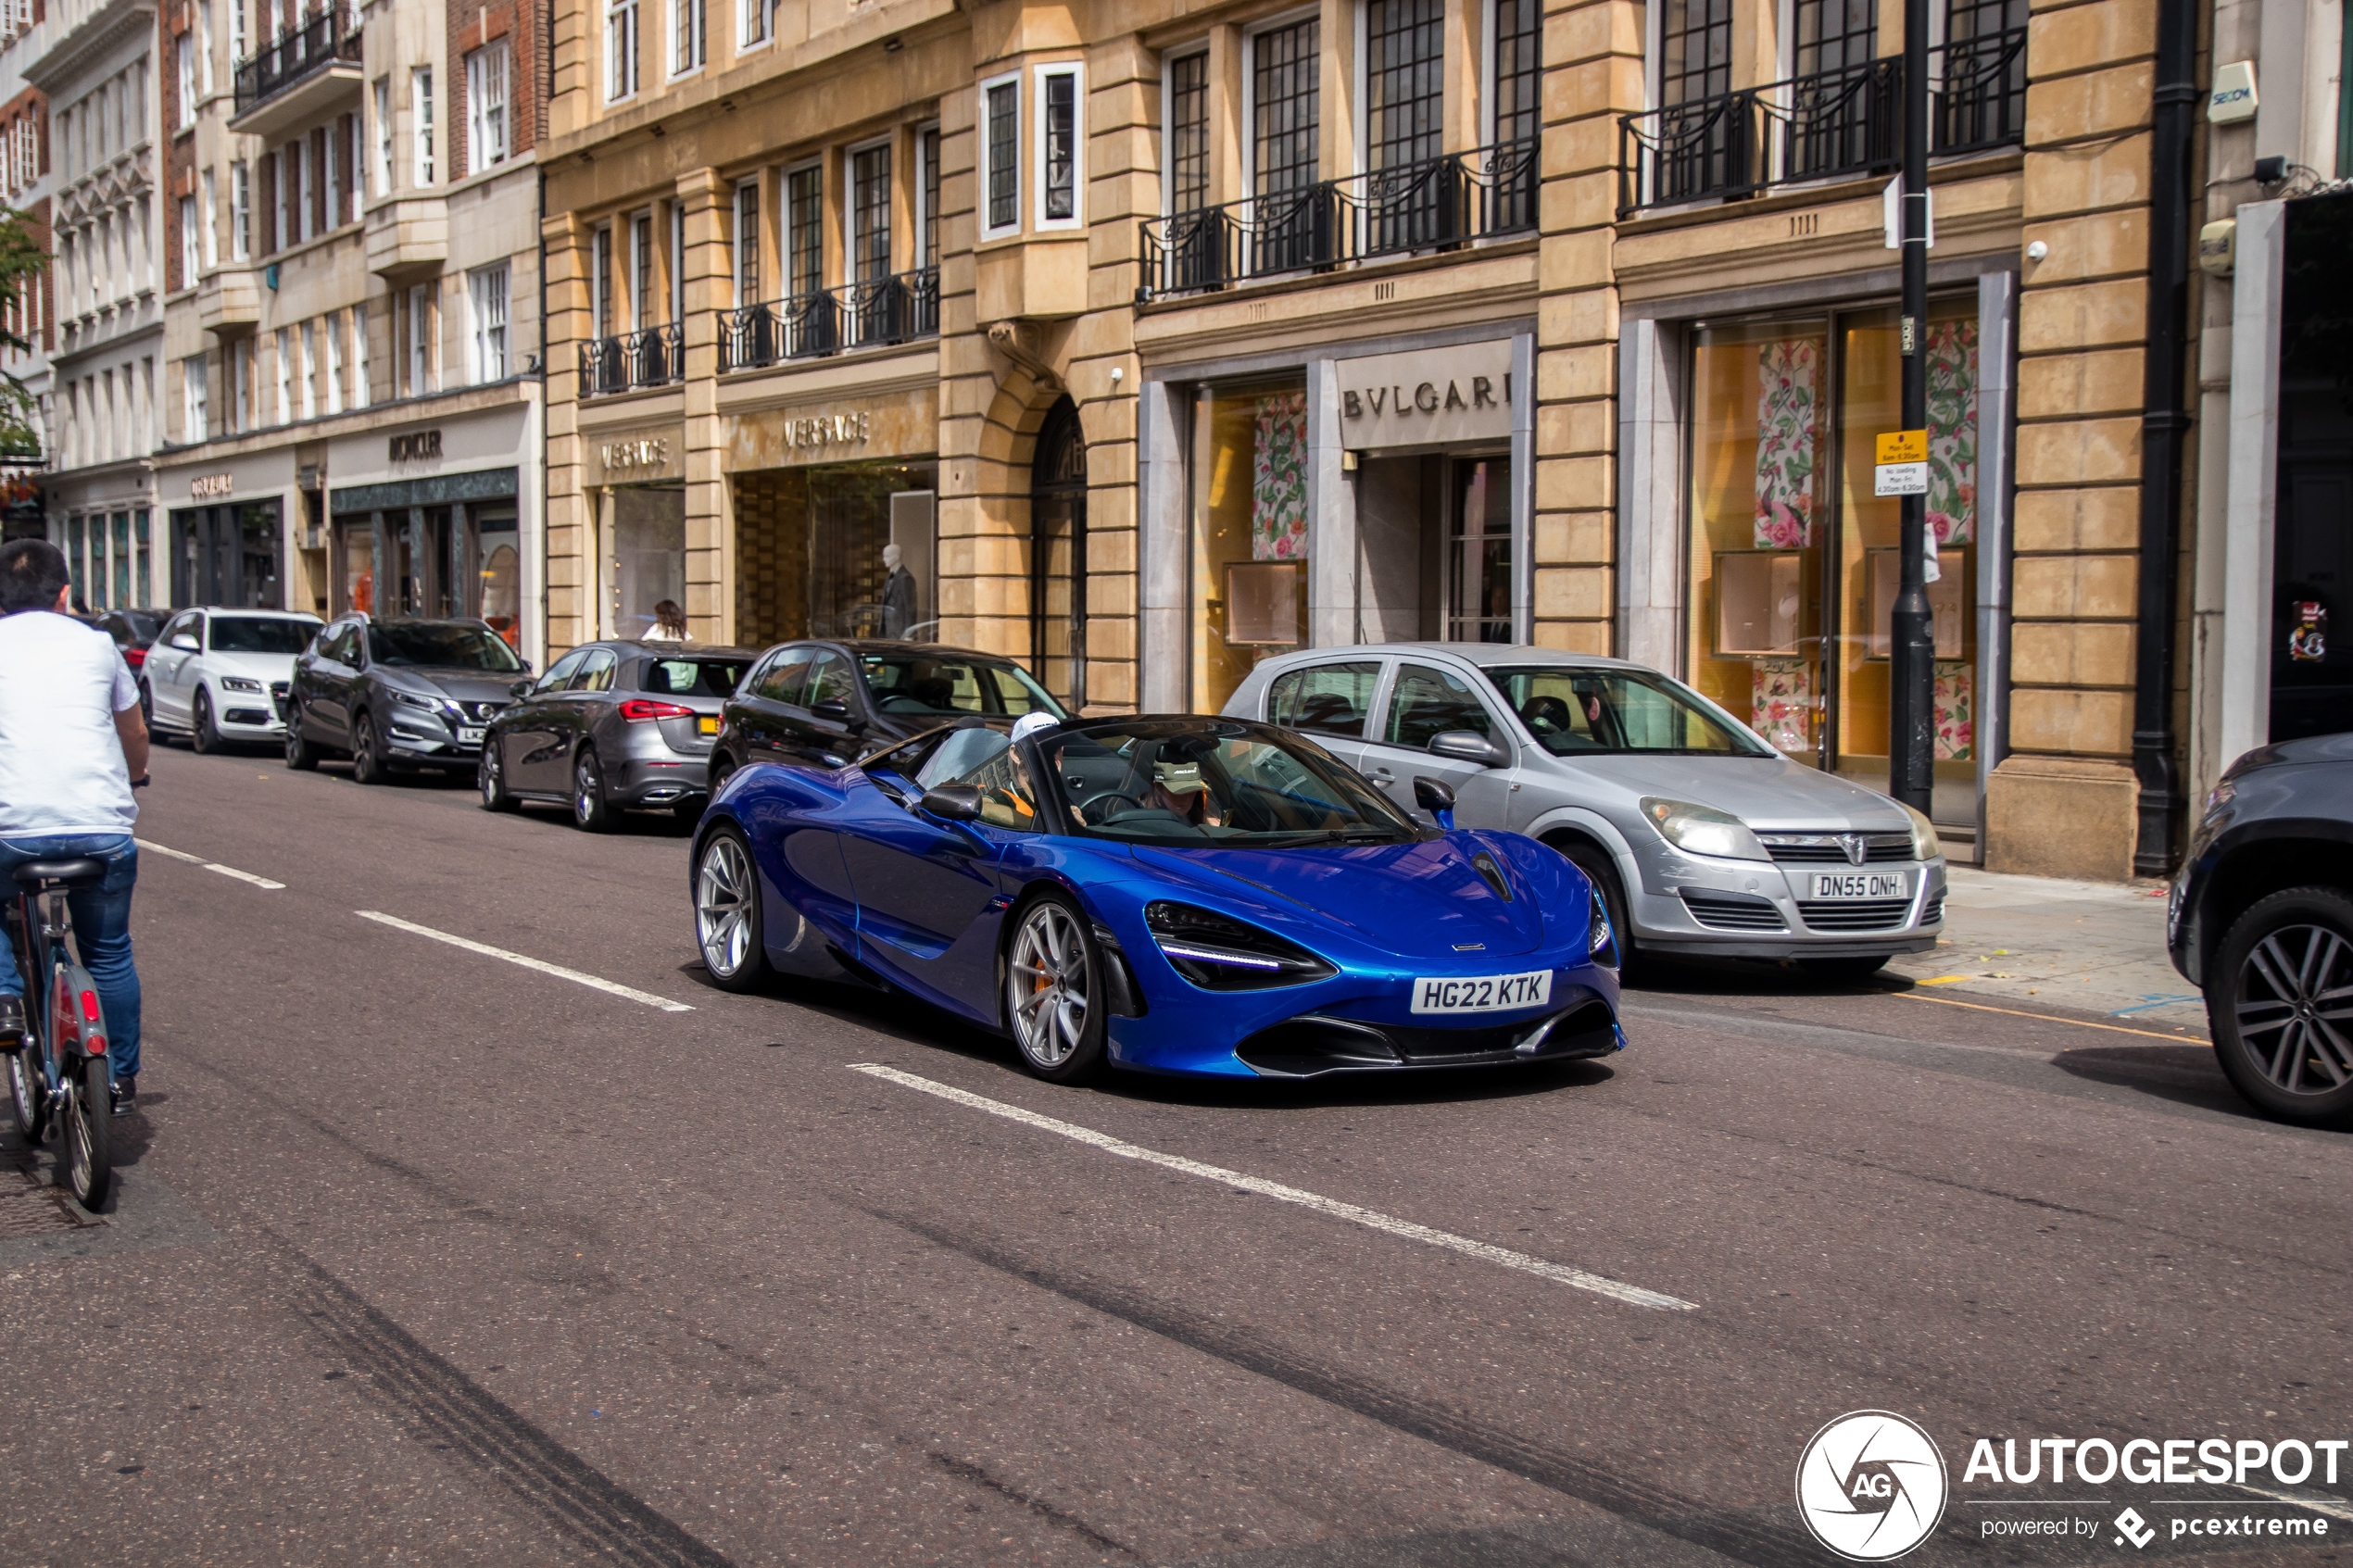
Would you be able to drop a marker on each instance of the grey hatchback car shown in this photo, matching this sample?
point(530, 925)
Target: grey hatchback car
point(611, 727)
point(1701, 838)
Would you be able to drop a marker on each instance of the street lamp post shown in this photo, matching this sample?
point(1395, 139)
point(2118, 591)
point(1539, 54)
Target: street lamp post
point(1912, 718)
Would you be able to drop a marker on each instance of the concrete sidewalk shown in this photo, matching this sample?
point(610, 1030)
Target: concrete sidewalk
point(2087, 948)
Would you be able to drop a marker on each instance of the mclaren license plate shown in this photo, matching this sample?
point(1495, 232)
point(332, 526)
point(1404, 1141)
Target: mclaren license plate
point(707, 725)
point(1486, 992)
point(1861, 884)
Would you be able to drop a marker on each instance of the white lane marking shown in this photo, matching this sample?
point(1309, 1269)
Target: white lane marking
point(1503, 1257)
point(593, 982)
point(210, 865)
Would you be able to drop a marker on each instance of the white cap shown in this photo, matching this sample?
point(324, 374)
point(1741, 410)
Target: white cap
point(1030, 723)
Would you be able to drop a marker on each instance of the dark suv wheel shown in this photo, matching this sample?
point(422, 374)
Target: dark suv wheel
point(2279, 1002)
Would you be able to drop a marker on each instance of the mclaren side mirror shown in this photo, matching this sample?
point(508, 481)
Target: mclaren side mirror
point(954, 803)
point(1469, 745)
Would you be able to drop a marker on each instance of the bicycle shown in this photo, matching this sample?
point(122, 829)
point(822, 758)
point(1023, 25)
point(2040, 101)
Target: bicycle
point(60, 1069)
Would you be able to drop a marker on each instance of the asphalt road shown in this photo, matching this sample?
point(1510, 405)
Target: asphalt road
point(423, 1256)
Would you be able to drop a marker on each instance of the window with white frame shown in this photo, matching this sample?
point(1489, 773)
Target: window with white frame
point(1405, 94)
point(685, 36)
point(195, 410)
point(869, 213)
point(804, 238)
point(1517, 59)
point(298, 157)
point(240, 372)
point(311, 369)
point(1285, 111)
point(185, 49)
point(331, 174)
point(621, 49)
point(1001, 155)
point(600, 315)
point(486, 122)
point(748, 243)
point(755, 20)
point(677, 261)
point(420, 339)
point(333, 334)
point(487, 287)
point(421, 125)
point(237, 31)
point(364, 390)
point(283, 344)
point(384, 136)
point(355, 148)
point(1059, 92)
point(641, 271)
point(203, 47)
point(240, 210)
point(191, 257)
point(211, 220)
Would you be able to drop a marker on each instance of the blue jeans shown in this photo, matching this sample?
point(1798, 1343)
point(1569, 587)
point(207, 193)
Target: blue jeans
point(101, 930)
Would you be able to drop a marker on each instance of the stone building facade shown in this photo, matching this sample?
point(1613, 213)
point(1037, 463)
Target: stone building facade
point(1166, 336)
point(353, 412)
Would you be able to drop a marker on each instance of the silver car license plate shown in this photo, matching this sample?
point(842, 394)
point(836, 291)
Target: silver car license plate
point(1486, 992)
point(1861, 884)
point(470, 734)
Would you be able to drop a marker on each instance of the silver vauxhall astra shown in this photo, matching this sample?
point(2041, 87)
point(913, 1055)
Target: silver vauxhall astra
point(1702, 837)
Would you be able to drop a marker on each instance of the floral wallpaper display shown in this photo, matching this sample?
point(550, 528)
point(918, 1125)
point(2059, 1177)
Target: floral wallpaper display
point(1787, 403)
point(1952, 430)
point(1279, 479)
point(1956, 711)
point(1781, 703)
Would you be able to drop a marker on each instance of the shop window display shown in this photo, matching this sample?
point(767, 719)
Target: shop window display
point(809, 548)
point(1792, 557)
point(648, 555)
point(1250, 533)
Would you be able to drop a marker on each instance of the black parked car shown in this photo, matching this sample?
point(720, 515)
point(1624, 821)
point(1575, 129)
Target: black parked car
point(611, 727)
point(2261, 920)
point(398, 695)
point(829, 703)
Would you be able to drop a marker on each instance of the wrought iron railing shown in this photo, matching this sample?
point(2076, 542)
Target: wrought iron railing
point(862, 315)
point(1434, 205)
point(331, 35)
point(1847, 121)
point(654, 356)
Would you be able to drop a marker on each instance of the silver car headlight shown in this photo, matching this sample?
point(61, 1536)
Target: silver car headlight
point(1701, 830)
point(410, 699)
point(1925, 846)
point(238, 683)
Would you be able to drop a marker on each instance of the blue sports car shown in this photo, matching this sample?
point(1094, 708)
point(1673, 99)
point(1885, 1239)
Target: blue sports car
point(1199, 895)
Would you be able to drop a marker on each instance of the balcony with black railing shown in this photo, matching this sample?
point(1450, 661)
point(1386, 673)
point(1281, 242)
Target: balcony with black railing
point(301, 53)
point(871, 314)
point(1831, 124)
point(1437, 205)
point(632, 361)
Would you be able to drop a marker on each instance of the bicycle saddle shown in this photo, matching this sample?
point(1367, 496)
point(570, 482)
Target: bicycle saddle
point(82, 872)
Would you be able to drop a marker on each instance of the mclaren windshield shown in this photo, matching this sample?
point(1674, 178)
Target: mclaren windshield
point(1212, 782)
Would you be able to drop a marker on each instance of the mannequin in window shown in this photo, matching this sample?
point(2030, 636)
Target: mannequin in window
point(898, 593)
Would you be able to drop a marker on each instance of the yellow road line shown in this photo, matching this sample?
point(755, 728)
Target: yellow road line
point(2051, 1018)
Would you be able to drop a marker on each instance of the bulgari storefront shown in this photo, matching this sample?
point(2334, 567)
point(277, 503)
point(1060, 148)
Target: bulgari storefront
point(1371, 491)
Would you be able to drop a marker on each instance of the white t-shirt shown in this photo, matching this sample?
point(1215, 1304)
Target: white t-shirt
point(61, 765)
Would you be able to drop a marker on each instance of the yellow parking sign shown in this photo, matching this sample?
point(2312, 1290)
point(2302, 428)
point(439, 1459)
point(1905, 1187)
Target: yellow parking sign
point(1902, 468)
point(1903, 446)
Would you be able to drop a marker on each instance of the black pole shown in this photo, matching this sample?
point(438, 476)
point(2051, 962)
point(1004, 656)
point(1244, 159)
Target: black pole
point(2164, 420)
point(1911, 736)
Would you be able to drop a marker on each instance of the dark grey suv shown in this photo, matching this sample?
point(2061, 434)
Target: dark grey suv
point(395, 696)
point(611, 727)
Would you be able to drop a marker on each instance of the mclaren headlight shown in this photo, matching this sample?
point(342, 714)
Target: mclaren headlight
point(1703, 830)
point(1219, 953)
point(1601, 941)
point(1924, 842)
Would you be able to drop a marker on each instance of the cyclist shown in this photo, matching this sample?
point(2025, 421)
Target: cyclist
point(72, 741)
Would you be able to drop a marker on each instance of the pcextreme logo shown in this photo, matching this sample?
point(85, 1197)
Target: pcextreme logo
point(1871, 1486)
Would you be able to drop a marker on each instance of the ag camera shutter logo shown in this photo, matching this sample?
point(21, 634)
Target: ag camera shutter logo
point(1871, 1486)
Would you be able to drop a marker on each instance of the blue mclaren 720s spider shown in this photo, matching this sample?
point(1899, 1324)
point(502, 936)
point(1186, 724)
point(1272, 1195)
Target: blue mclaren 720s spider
point(1186, 895)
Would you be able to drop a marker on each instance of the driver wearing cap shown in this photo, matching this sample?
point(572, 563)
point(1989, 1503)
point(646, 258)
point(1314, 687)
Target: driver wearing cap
point(1178, 788)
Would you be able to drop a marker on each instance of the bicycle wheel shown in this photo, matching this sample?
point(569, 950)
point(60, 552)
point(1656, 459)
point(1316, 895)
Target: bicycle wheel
point(89, 1161)
point(28, 1091)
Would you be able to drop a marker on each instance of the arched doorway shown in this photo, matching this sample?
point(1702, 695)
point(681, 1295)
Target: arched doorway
point(1058, 555)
